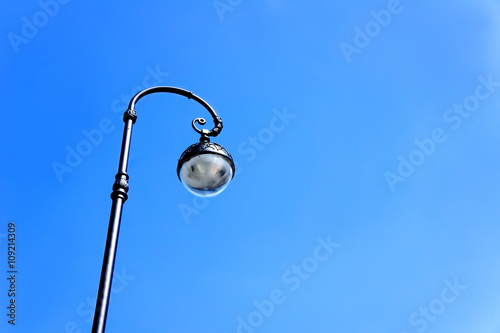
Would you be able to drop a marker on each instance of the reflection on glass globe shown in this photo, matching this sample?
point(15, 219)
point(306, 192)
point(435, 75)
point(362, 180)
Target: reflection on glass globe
point(207, 174)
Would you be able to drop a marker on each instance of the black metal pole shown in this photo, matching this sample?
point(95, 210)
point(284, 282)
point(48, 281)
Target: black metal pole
point(119, 196)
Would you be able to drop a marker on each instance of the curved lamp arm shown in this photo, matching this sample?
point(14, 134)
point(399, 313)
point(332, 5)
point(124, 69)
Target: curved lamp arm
point(217, 121)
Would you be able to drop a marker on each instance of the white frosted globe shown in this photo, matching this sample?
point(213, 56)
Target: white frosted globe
point(206, 175)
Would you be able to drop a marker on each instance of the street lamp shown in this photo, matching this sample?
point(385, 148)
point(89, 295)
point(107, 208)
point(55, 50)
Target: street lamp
point(205, 168)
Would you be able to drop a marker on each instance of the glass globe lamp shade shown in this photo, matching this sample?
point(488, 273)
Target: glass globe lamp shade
point(205, 169)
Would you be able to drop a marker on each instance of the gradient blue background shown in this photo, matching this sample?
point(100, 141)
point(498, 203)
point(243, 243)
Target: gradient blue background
point(321, 176)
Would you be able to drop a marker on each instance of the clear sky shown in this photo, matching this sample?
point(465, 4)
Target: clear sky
point(366, 135)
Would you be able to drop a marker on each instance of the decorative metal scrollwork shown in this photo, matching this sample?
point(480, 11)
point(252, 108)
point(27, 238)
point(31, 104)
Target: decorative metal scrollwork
point(214, 132)
point(203, 132)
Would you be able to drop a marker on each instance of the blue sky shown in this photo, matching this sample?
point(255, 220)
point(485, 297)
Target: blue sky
point(366, 138)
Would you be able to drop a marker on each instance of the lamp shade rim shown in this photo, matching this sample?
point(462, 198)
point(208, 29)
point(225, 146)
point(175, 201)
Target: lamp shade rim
point(200, 148)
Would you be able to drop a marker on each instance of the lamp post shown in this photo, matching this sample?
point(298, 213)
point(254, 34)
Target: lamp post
point(205, 169)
